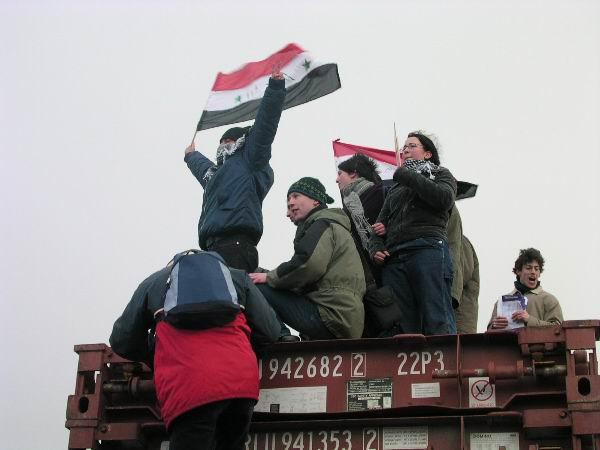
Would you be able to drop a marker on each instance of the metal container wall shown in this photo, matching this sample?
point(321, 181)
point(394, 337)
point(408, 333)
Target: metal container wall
point(538, 388)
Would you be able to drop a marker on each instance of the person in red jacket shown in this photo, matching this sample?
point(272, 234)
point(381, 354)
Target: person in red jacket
point(206, 380)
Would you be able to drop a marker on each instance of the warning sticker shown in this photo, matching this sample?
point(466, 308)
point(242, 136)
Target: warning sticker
point(482, 393)
point(405, 438)
point(289, 400)
point(495, 441)
point(425, 390)
point(369, 394)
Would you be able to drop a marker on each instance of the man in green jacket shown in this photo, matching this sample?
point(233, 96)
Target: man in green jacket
point(542, 308)
point(319, 291)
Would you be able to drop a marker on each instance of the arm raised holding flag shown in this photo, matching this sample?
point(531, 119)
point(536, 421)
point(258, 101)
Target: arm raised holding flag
point(235, 187)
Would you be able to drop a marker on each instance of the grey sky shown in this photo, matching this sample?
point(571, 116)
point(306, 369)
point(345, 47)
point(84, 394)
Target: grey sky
point(99, 100)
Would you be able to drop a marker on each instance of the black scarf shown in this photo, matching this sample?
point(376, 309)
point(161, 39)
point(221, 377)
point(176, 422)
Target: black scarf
point(524, 289)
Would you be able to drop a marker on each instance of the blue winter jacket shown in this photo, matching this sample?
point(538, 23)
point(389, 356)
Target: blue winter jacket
point(233, 197)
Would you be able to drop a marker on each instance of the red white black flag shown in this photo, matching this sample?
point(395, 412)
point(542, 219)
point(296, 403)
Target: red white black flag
point(385, 159)
point(386, 164)
point(235, 96)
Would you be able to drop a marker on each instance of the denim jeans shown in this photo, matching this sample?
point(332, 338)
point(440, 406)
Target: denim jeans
point(297, 311)
point(420, 274)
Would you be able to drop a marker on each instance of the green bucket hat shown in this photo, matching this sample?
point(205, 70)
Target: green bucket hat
point(311, 187)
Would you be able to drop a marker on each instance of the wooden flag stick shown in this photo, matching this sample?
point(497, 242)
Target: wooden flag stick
point(194, 137)
point(397, 148)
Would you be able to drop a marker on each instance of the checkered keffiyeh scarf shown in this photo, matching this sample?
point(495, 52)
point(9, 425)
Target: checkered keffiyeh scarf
point(224, 151)
point(424, 167)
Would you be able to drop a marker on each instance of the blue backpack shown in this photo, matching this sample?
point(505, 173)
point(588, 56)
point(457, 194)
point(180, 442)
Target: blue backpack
point(199, 292)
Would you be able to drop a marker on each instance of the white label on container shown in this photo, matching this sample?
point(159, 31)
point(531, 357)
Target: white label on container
point(494, 441)
point(405, 438)
point(311, 399)
point(482, 393)
point(425, 390)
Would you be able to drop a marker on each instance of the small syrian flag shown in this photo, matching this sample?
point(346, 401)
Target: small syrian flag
point(236, 96)
point(386, 165)
point(385, 159)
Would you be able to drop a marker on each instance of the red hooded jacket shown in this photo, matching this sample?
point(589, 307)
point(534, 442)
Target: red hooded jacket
point(196, 367)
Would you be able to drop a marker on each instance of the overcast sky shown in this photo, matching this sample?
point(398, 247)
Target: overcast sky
point(100, 99)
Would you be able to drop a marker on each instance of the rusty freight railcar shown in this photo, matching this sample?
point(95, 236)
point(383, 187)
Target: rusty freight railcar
point(537, 388)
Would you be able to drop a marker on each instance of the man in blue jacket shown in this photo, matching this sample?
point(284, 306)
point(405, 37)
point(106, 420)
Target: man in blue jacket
point(231, 221)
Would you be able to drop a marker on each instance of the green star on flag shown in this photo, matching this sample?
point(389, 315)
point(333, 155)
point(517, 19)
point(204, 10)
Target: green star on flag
point(306, 64)
point(238, 99)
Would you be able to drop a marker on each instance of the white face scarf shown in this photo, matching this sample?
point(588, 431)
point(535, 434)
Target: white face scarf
point(224, 151)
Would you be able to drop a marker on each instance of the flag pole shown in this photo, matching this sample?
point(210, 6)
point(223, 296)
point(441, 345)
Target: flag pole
point(397, 148)
point(194, 137)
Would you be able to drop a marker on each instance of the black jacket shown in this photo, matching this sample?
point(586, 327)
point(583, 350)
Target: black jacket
point(417, 207)
point(129, 337)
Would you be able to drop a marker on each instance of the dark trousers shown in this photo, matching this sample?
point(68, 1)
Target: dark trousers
point(238, 251)
point(297, 311)
point(420, 274)
point(220, 425)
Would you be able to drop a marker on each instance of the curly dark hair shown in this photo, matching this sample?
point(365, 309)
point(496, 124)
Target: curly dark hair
point(363, 165)
point(526, 256)
point(428, 146)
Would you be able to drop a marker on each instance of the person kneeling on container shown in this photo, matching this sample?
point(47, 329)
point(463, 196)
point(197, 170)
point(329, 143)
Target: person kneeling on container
point(319, 291)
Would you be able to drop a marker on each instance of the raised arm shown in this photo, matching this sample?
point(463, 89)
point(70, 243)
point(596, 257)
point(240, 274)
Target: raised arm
point(262, 133)
point(197, 163)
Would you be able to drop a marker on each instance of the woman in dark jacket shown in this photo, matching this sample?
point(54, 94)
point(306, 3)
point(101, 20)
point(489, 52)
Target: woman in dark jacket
point(413, 220)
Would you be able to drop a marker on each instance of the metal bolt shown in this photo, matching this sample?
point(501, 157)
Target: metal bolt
point(563, 414)
point(103, 429)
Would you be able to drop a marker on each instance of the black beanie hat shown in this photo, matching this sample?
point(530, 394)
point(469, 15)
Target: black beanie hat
point(234, 133)
point(311, 187)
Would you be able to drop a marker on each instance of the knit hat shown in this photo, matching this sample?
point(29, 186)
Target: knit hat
point(234, 133)
point(311, 187)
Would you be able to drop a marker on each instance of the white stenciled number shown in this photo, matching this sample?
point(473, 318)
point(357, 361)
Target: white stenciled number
point(324, 366)
point(286, 440)
point(370, 437)
point(335, 439)
point(323, 439)
point(413, 369)
point(358, 364)
point(403, 359)
point(286, 369)
point(299, 442)
point(338, 364)
point(300, 361)
point(273, 367)
point(420, 362)
point(311, 369)
point(440, 359)
point(348, 438)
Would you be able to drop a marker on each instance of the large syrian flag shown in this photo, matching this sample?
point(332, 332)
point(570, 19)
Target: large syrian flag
point(386, 164)
point(236, 96)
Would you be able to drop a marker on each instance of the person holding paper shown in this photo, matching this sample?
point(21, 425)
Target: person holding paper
point(540, 307)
